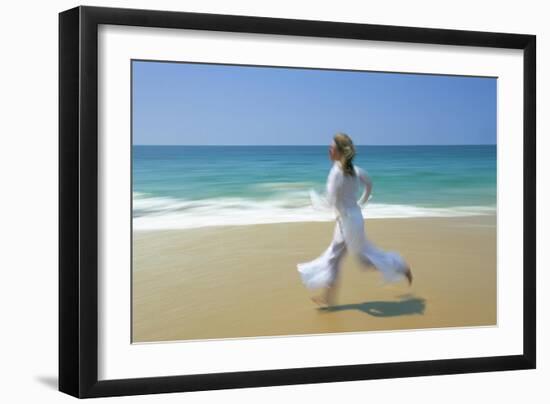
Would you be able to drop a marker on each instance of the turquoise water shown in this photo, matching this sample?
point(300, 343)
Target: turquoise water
point(193, 186)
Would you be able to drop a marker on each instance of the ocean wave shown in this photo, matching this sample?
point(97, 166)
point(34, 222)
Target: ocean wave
point(152, 213)
point(283, 186)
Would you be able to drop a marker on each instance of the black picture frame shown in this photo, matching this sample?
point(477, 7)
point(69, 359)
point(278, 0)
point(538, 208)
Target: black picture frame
point(78, 201)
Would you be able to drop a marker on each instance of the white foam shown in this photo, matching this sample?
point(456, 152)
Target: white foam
point(167, 213)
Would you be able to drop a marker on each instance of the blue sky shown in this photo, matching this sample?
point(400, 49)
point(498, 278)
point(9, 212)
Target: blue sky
point(206, 104)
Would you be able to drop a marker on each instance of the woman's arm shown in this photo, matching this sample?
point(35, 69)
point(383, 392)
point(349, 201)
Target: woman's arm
point(334, 182)
point(367, 183)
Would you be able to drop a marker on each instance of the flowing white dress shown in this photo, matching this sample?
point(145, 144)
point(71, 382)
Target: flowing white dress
point(349, 234)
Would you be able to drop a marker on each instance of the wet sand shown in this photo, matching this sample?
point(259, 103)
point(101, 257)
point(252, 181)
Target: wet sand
point(241, 281)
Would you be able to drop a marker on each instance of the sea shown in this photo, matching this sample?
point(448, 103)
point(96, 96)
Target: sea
point(180, 187)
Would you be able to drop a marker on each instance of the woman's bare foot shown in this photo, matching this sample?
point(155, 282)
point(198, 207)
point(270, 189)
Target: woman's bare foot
point(320, 300)
point(327, 297)
point(408, 275)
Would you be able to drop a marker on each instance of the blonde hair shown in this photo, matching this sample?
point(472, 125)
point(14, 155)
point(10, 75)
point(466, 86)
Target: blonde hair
point(345, 147)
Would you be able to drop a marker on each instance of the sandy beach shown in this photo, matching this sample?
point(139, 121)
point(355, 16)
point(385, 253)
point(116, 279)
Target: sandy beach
point(241, 281)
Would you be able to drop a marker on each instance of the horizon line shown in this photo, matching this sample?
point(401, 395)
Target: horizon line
point(307, 145)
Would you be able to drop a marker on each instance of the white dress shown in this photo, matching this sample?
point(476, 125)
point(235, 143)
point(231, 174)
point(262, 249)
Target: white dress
point(349, 235)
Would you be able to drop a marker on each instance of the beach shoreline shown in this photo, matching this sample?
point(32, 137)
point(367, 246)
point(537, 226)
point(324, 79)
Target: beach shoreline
point(242, 281)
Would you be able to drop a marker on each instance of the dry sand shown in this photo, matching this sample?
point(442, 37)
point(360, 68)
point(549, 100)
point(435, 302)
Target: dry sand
point(241, 281)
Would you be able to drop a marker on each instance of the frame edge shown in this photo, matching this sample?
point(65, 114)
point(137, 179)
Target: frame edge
point(69, 79)
point(529, 201)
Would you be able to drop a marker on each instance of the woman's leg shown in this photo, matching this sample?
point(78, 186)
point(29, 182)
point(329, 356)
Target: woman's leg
point(334, 253)
point(390, 263)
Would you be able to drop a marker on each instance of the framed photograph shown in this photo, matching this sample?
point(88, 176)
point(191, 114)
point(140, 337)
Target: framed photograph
point(248, 201)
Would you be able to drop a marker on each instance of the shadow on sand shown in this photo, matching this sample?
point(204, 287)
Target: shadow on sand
point(408, 305)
